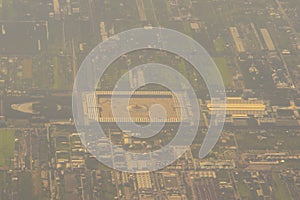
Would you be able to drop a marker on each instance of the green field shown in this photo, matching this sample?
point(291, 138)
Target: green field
point(187, 28)
point(61, 75)
point(8, 11)
point(56, 74)
point(148, 4)
point(1, 6)
point(279, 187)
point(25, 186)
point(7, 141)
point(248, 141)
point(221, 63)
point(243, 190)
point(219, 44)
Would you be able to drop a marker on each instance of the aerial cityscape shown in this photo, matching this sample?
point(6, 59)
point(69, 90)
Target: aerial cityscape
point(48, 153)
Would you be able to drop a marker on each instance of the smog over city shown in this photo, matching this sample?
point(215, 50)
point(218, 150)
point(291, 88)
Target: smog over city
point(149, 100)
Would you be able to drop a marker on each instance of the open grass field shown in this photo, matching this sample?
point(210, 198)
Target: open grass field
point(219, 44)
point(7, 141)
point(280, 189)
point(57, 82)
point(221, 63)
point(248, 141)
point(7, 11)
point(243, 190)
point(61, 76)
point(150, 12)
point(3, 183)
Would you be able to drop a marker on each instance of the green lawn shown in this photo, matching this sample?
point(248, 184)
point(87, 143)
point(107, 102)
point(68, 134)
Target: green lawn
point(3, 183)
point(279, 188)
point(108, 189)
point(61, 75)
point(243, 190)
point(221, 63)
point(8, 10)
point(148, 5)
point(25, 186)
point(56, 73)
point(187, 28)
point(219, 44)
point(7, 145)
